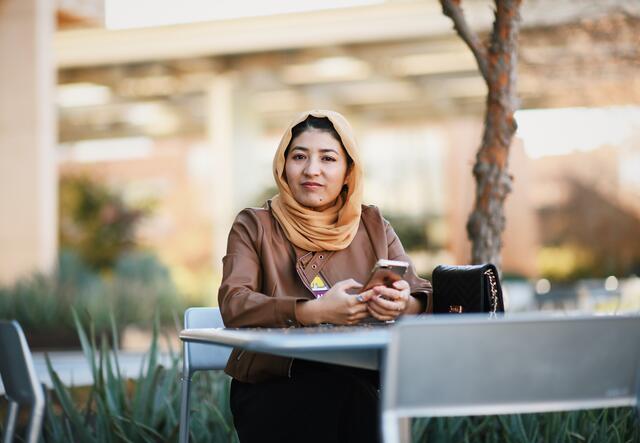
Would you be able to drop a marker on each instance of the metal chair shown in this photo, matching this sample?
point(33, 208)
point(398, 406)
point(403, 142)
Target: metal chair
point(20, 381)
point(198, 357)
point(470, 365)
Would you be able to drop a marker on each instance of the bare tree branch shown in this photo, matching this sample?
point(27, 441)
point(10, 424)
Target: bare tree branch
point(497, 63)
point(453, 10)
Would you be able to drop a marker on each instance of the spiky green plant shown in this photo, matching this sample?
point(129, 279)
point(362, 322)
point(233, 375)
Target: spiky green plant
point(616, 425)
point(143, 410)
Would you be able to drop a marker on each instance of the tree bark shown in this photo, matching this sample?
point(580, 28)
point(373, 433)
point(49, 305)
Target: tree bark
point(497, 64)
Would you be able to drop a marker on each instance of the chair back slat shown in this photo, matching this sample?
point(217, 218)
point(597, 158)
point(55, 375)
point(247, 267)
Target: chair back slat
point(16, 366)
point(204, 356)
point(20, 381)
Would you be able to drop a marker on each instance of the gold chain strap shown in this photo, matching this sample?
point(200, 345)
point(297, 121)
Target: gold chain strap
point(494, 292)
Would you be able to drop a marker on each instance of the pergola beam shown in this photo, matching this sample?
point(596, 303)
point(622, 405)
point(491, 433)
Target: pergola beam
point(390, 21)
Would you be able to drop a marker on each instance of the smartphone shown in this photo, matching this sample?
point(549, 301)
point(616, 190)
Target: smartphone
point(385, 273)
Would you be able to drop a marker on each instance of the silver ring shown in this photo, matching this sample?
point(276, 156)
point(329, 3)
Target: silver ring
point(359, 298)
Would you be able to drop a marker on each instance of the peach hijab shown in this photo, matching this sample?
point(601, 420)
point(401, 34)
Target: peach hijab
point(334, 228)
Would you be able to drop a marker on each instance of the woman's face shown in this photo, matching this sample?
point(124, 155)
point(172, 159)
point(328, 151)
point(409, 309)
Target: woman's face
point(315, 169)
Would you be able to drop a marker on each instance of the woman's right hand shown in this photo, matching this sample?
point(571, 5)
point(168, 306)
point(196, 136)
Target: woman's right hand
point(336, 306)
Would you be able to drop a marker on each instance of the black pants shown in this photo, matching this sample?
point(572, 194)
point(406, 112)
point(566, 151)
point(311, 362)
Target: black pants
point(319, 403)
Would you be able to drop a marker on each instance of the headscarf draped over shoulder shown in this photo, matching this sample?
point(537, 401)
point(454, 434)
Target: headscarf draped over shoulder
point(334, 228)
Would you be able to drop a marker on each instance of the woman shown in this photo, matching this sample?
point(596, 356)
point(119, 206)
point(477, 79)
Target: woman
point(300, 261)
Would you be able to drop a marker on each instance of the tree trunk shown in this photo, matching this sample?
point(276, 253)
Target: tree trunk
point(497, 64)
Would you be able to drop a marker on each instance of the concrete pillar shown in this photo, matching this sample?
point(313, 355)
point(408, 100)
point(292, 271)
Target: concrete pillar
point(28, 174)
point(220, 127)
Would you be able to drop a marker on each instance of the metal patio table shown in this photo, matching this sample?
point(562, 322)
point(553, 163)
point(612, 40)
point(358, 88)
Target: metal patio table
point(356, 346)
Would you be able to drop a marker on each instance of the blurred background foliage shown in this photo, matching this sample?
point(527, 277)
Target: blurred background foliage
point(96, 221)
point(138, 286)
point(101, 271)
point(412, 231)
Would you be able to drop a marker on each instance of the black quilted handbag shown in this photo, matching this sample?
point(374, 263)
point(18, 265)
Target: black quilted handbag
point(463, 289)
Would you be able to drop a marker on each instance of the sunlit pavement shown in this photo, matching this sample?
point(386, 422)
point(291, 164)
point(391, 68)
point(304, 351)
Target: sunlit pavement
point(73, 369)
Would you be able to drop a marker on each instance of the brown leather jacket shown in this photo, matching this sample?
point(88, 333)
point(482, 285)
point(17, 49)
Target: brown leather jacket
point(264, 276)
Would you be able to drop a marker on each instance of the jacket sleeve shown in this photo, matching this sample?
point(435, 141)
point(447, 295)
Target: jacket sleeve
point(420, 288)
point(241, 303)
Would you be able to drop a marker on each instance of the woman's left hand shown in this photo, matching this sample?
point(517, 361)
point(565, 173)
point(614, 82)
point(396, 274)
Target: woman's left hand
point(389, 302)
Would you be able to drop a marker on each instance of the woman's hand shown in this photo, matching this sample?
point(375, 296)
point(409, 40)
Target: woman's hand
point(389, 303)
point(336, 306)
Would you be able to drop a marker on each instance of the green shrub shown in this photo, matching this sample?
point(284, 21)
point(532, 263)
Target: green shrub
point(138, 286)
point(143, 285)
point(412, 231)
point(97, 222)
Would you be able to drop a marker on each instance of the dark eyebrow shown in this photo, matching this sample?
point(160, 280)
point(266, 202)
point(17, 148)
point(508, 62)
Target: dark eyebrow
point(302, 148)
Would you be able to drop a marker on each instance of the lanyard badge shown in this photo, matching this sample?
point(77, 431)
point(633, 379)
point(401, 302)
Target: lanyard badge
point(318, 286)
